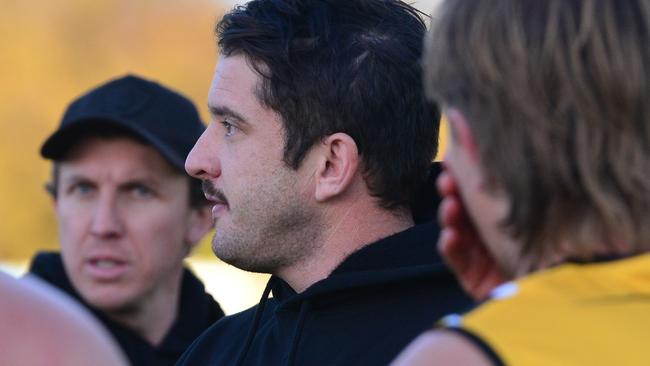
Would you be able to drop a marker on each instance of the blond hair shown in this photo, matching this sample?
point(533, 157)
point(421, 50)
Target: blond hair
point(557, 93)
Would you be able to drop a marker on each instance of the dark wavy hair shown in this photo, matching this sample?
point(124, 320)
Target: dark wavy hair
point(350, 66)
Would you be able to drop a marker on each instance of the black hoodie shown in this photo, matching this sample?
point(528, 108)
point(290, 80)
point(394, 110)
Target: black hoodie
point(197, 311)
point(364, 313)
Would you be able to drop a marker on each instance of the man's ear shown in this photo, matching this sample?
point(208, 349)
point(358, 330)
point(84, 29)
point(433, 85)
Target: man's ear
point(461, 134)
point(339, 166)
point(51, 190)
point(200, 223)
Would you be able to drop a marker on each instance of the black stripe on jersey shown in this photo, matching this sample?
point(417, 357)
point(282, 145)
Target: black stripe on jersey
point(478, 342)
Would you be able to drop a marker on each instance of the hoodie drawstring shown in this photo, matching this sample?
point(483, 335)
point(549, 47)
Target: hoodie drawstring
point(255, 324)
point(297, 333)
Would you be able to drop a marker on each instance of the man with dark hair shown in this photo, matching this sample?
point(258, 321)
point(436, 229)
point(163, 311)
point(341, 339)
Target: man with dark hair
point(320, 142)
point(128, 215)
point(547, 181)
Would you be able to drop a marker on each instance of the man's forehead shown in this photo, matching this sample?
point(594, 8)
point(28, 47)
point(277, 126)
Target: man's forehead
point(234, 77)
point(123, 156)
point(236, 91)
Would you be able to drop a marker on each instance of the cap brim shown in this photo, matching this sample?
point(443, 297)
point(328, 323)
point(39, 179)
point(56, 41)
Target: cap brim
point(60, 142)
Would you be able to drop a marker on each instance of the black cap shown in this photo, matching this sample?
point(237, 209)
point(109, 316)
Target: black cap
point(161, 117)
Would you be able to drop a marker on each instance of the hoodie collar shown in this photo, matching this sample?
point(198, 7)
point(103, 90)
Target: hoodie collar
point(196, 311)
point(405, 255)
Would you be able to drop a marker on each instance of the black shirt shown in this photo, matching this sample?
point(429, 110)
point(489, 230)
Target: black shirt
point(364, 313)
point(197, 311)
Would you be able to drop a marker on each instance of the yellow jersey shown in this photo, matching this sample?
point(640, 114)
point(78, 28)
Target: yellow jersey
point(573, 314)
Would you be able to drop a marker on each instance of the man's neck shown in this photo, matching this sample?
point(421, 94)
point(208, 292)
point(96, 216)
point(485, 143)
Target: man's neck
point(153, 317)
point(347, 231)
point(591, 248)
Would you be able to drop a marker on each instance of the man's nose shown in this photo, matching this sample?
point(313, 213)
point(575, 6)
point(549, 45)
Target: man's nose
point(203, 162)
point(107, 220)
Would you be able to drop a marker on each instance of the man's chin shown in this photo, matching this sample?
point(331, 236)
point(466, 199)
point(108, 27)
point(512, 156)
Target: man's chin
point(111, 303)
point(250, 262)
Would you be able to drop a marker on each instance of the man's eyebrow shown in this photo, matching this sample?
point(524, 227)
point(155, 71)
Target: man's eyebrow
point(223, 111)
point(73, 178)
point(138, 181)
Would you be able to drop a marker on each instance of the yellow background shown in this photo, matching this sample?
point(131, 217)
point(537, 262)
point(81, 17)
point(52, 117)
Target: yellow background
point(51, 52)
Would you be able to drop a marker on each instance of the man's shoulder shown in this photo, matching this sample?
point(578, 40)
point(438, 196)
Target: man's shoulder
point(221, 343)
point(231, 323)
point(197, 306)
point(48, 266)
point(46, 262)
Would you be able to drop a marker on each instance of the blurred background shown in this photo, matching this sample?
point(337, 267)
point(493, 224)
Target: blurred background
point(51, 52)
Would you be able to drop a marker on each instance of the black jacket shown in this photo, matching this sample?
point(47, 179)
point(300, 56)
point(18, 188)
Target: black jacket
point(197, 311)
point(369, 308)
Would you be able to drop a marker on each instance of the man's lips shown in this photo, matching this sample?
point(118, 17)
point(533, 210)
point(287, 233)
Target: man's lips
point(218, 209)
point(213, 194)
point(218, 205)
point(105, 267)
point(216, 198)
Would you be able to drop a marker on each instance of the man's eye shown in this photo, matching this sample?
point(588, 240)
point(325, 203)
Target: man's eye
point(142, 191)
point(230, 128)
point(82, 189)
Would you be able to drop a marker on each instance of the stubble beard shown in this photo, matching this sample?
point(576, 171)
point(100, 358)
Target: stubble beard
point(270, 231)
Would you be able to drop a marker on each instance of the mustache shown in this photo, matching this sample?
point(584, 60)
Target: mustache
point(209, 190)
